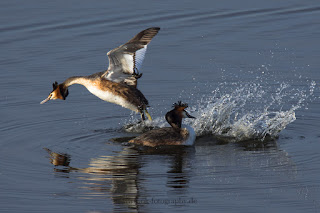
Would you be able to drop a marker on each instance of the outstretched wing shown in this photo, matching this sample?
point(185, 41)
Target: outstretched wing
point(126, 60)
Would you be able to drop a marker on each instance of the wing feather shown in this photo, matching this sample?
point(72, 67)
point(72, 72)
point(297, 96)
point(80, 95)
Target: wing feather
point(125, 61)
point(139, 56)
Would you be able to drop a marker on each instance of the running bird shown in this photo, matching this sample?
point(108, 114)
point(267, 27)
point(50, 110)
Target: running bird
point(177, 134)
point(118, 84)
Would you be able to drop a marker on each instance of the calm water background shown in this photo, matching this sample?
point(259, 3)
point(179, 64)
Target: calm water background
point(202, 46)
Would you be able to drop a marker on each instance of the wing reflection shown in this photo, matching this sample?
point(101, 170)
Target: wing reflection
point(131, 176)
point(119, 177)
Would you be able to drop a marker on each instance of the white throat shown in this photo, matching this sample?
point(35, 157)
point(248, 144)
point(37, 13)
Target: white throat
point(192, 135)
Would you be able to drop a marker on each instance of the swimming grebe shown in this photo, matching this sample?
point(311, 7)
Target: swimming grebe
point(118, 84)
point(177, 134)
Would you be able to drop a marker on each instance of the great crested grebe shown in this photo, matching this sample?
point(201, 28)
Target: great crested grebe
point(118, 84)
point(177, 134)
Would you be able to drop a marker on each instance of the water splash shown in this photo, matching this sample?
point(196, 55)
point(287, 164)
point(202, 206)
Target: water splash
point(249, 112)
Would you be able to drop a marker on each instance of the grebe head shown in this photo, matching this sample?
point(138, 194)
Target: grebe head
point(174, 117)
point(59, 92)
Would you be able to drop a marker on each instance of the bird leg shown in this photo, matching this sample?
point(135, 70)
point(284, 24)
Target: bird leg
point(136, 73)
point(143, 118)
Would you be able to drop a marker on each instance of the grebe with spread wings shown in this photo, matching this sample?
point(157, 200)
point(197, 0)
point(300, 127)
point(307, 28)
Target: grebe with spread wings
point(118, 84)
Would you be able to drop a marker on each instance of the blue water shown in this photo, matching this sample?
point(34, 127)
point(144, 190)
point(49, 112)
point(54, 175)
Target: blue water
point(249, 71)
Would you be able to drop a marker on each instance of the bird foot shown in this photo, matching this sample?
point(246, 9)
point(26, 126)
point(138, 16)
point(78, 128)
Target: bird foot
point(137, 75)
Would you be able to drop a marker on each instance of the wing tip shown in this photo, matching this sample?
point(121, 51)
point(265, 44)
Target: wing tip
point(145, 36)
point(156, 29)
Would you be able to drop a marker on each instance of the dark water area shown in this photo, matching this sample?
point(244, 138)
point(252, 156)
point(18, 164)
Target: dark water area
point(249, 70)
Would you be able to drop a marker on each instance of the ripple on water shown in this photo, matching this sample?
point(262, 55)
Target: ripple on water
point(59, 157)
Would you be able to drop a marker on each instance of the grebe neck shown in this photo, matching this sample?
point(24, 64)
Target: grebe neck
point(75, 80)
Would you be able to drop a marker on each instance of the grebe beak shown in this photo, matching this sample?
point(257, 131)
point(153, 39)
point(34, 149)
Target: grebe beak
point(47, 99)
point(187, 115)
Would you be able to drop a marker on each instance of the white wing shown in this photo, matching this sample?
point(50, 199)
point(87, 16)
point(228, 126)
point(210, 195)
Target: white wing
point(125, 61)
point(139, 56)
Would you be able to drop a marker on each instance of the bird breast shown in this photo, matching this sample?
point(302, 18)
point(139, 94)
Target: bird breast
point(110, 97)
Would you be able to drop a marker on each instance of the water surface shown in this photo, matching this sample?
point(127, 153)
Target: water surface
point(249, 71)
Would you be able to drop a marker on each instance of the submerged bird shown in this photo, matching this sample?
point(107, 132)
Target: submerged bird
point(118, 84)
point(177, 134)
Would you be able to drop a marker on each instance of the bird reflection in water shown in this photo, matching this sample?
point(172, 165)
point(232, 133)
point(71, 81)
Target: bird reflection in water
point(120, 175)
point(61, 161)
point(128, 177)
